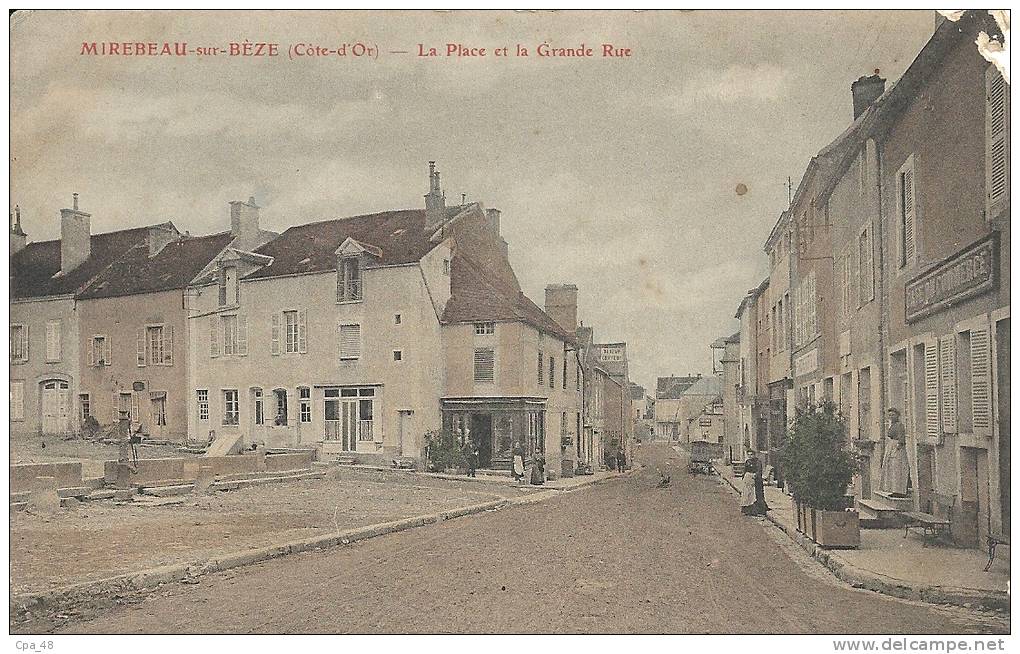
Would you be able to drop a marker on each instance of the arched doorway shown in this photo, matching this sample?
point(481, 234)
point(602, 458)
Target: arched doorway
point(55, 406)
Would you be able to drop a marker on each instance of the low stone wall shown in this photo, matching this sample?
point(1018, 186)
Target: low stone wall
point(66, 475)
point(149, 471)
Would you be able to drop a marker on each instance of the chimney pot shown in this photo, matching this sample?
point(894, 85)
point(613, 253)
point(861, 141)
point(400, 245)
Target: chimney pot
point(244, 222)
point(865, 91)
point(75, 237)
point(435, 201)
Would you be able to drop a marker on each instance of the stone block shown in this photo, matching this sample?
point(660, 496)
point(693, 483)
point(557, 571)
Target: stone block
point(43, 497)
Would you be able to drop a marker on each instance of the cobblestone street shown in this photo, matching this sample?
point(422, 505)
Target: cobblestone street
point(680, 559)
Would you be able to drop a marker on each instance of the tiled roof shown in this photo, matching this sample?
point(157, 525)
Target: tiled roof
point(477, 296)
point(400, 236)
point(637, 392)
point(33, 269)
point(672, 388)
point(173, 267)
point(711, 385)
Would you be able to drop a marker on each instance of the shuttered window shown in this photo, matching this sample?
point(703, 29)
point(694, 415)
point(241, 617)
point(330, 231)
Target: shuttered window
point(866, 274)
point(947, 382)
point(907, 208)
point(242, 335)
point(17, 400)
point(552, 372)
point(214, 336)
point(485, 365)
point(53, 341)
point(350, 341)
point(541, 369)
point(19, 343)
point(981, 380)
point(996, 142)
point(274, 342)
point(931, 390)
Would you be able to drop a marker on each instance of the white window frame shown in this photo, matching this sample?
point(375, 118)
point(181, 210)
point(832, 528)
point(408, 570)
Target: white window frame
point(304, 394)
point(227, 414)
point(349, 290)
point(487, 328)
point(202, 404)
point(291, 331)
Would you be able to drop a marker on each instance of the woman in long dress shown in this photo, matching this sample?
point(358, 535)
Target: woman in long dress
point(517, 462)
point(752, 496)
point(895, 470)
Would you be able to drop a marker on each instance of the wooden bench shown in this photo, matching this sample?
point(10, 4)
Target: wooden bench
point(931, 525)
point(993, 542)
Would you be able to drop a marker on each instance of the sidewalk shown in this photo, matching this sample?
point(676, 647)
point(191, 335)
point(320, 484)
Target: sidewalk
point(561, 484)
point(888, 563)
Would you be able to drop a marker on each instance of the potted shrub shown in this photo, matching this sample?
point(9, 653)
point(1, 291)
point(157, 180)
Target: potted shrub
point(819, 465)
point(444, 453)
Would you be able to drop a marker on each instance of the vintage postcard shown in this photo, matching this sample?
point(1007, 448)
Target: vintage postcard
point(511, 322)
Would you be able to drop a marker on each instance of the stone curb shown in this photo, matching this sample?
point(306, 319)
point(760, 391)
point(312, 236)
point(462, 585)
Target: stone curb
point(483, 480)
point(152, 577)
point(874, 581)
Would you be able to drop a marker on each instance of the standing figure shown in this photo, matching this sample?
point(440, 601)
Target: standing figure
point(752, 497)
point(621, 460)
point(517, 461)
point(895, 471)
point(471, 454)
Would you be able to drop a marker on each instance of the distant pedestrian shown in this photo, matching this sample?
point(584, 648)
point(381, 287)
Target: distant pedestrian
point(752, 497)
point(610, 460)
point(538, 470)
point(472, 459)
point(517, 462)
point(621, 460)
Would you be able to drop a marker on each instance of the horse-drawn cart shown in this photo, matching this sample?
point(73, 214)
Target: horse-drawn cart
point(702, 454)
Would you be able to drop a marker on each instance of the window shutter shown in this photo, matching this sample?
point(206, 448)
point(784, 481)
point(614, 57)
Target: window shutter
point(931, 389)
point(107, 351)
point(214, 336)
point(242, 335)
point(541, 370)
point(981, 380)
point(116, 407)
point(947, 382)
point(92, 352)
point(223, 287)
point(303, 330)
point(350, 341)
point(996, 140)
point(484, 365)
point(140, 346)
point(25, 342)
point(909, 214)
point(274, 345)
point(136, 413)
point(339, 279)
point(168, 347)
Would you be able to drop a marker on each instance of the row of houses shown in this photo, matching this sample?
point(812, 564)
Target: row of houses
point(353, 336)
point(889, 287)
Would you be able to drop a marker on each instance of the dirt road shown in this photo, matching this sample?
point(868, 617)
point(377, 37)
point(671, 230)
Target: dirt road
point(623, 556)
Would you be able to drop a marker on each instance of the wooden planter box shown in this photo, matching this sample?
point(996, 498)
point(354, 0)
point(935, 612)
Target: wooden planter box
point(834, 529)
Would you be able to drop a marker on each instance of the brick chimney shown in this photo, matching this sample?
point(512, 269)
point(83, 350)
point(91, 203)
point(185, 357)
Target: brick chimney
point(75, 237)
point(435, 201)
point(18, 238)
point(865, 91)
point(244, 221)
point(561, 305)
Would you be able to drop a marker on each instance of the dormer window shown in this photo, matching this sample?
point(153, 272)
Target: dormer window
point(348, 279)
point(230, 291)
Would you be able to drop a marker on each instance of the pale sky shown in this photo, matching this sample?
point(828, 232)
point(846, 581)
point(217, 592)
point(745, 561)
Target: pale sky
point(618, 175)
